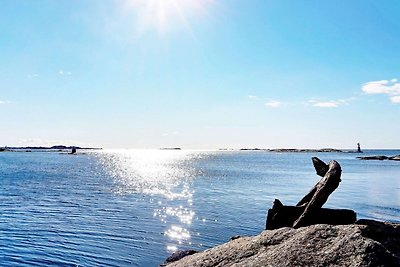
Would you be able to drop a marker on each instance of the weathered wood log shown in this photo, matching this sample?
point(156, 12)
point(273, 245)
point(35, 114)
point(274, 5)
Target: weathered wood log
point(324, 188)
point(285, 216)
point(321, 168)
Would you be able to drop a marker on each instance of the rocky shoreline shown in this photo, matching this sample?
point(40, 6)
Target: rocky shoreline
point(57, 148)
point(380, 158)
point(365, 243)
point(297, 150)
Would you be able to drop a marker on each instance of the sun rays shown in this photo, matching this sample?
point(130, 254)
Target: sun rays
point(164, 15)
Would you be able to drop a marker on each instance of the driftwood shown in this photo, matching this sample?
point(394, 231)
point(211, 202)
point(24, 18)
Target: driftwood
point(321, 169)
point(309, 209)
point(285, 216)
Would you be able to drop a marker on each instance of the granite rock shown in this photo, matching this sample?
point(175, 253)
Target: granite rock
point(366, 243)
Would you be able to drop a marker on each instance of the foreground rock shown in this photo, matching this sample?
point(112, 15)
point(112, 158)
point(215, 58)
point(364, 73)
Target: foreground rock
point(366, 243)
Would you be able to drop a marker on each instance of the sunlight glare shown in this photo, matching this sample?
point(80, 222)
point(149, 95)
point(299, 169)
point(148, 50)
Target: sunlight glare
point(162, 15)
point(152, 172)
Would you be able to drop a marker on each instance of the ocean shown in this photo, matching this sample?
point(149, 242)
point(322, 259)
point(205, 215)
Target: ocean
point(136, 207)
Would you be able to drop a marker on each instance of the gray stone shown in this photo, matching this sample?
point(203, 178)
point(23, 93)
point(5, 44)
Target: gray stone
point(366, 243)
point(374, 158)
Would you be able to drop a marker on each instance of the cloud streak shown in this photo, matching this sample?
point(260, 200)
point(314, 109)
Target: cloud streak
point(313, 102)
point(274, 104)
point(330, 103)
point(324, 104)
point(390, 88)
point(62, 72)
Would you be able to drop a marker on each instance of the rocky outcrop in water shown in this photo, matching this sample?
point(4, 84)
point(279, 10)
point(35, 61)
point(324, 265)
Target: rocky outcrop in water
point(380, 158)
point(366, 243)
point(292, 150)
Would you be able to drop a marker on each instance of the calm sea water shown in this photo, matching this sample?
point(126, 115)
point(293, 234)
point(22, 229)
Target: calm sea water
point(135, 207)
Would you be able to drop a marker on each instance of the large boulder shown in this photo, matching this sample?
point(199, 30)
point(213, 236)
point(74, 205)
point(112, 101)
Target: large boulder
point(366, 243)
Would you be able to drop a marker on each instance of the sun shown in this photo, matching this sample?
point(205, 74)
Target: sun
point(163, 15)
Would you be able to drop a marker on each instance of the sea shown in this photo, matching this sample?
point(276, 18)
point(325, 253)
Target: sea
point(136, 207)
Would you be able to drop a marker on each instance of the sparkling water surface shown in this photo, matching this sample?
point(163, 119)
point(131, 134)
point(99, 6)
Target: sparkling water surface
point(136, 207)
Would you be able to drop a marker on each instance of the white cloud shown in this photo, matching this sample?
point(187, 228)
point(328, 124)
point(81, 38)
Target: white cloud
point(274, 104)
point(172, 133)
point(325, 104)
point(63, 72)
point(35, 75)
point(390, 88)
point(4, 102)
point(331, 103)
point(252, 96)
point(395, 99)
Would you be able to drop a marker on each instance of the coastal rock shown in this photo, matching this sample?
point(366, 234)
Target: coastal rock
point(395, 157)
point(295, 150)
point(177, 255)
point(380, 158)
point(374, 158)
point(366, 243)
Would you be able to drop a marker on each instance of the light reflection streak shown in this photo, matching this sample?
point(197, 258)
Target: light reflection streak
point(158, 173)
point(151, 172)
point(178, 233)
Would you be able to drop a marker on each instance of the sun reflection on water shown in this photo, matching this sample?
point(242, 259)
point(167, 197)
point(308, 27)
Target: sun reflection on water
point(158, 174)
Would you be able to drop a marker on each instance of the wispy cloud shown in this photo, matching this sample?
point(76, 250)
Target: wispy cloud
point(395, 99)
point(390, 88)
point(330, 103)
point(274, 104)
point(32, 76)
point(63, 72)
point(324, 104)
point(171, 133)
point(314, 102)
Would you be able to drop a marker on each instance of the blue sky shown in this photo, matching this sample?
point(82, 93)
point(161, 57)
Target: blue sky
point(200, 73)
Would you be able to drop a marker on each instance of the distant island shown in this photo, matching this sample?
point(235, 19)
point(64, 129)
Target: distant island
point(295, 150)
point(305, 150)
point(57, 147)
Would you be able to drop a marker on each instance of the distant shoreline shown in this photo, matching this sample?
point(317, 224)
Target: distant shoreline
point(275, 150)
point(43, 148)
point(296, 150)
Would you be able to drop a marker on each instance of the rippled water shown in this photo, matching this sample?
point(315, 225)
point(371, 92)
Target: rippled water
point(135, 207)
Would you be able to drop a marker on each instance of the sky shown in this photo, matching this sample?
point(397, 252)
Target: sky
point(200, 74)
